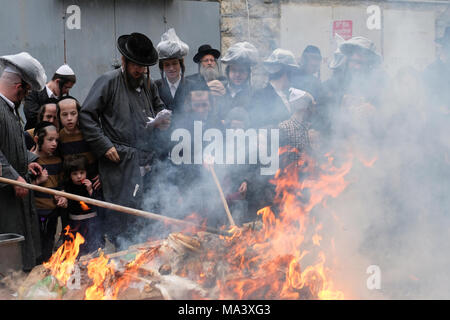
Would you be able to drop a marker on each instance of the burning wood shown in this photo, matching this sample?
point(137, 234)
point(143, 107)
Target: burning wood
point(278, 257)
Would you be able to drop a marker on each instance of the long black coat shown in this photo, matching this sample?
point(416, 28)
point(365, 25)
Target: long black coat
point(17, 215)
point(114, 115)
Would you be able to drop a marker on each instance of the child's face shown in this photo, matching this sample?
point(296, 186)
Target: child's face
point(78, 176)
point(50, 141)
point(50, 114)
point(68, 114)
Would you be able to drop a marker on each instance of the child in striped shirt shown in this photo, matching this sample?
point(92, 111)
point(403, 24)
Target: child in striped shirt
point(48, 206)
point(71, 141)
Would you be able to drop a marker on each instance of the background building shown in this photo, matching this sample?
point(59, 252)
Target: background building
point(83, 33)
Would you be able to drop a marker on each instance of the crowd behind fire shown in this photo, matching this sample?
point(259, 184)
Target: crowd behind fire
point(115, 146)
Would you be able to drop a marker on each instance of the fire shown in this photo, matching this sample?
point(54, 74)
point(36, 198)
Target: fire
point(62, 262)
point(84, 206)
point(98, 270)
point(267, 264)
point(283, 258)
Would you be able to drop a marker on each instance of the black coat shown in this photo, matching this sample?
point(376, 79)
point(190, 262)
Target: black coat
point(17, 215)
point(267, 109)
point(32, 104)
point(242, 99)
point(198, 81)
point(114, 115)
point(176, 103)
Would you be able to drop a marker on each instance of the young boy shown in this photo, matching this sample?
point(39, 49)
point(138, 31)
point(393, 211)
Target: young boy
point(83, 218)
point(47, 112)
point(294, 131)
point(71, 140)
point(46, 139)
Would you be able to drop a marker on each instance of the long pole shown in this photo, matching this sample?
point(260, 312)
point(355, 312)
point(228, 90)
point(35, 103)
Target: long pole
point(222, 196)
point(112, 206)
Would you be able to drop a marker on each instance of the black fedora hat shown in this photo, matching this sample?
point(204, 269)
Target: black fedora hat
point(204, 50)
point(137, 48)
point(445, 39)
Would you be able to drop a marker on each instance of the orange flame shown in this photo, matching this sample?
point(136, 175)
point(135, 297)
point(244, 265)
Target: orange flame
point(273, 269)
point(61, 263)
point(98, 271)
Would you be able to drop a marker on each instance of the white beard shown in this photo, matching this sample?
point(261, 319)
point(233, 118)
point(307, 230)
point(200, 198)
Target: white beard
point(210, 73)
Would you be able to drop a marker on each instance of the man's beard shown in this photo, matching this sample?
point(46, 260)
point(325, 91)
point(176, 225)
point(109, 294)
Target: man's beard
point(133, 82)
point(210, 73)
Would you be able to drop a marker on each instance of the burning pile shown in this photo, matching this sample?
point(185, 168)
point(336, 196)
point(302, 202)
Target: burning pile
point(278, 257)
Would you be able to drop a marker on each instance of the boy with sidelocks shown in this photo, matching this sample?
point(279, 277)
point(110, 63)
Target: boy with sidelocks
point(72, 142)
point(83, 218)
point(47, 206)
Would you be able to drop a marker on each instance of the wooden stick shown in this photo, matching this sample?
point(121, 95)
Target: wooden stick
point(112, 206)
point(222, 196)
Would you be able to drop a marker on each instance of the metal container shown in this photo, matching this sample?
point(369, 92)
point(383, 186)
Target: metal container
point(10, 252)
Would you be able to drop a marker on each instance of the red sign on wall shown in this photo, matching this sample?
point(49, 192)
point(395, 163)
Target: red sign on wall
point(344, 28)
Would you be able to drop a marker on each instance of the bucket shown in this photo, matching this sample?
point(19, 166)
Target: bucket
point(10, 252)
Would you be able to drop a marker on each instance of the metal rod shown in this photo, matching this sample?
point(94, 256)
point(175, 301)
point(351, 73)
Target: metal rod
point(112, 206)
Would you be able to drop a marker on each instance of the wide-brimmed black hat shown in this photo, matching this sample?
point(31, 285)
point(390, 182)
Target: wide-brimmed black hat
point(137, 48)
point(204, 50)
point(445, 39)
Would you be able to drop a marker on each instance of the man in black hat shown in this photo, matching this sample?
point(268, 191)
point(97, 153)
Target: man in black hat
point(208, 69)
point(121, 119)
point(437, 75)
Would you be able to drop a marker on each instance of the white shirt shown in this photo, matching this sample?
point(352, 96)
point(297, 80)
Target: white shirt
point(50, 93)
point(9, 102)
point(173, 86)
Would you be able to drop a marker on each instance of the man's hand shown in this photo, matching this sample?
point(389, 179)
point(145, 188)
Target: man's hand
point(35, 168)
point(96, 182)
point(112, 155)
point(43, 177)
point(162, 120)
point(20, 192)
point(216, 88)
point(243, 188)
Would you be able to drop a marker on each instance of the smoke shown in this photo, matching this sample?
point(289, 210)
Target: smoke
point(394, 213)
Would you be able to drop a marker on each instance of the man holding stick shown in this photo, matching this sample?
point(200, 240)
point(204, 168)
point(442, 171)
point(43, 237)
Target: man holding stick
point(120, 119)
point(21, 72)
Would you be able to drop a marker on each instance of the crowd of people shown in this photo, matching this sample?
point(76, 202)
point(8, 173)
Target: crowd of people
point(116, 145)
